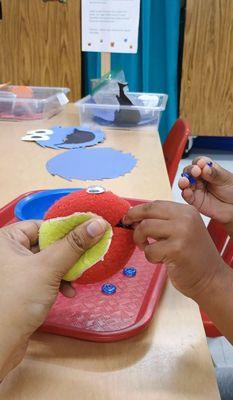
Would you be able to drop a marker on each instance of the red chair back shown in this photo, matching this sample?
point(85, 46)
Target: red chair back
point(222, 241)
point(174, 146)
point(218, 234)
point(228, 254)
point(225, 248)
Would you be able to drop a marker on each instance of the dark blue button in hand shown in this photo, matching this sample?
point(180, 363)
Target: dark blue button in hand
point(191, 179)
point(129, 272)
point(108, 288)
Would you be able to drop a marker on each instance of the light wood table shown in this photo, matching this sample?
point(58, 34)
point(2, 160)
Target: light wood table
point(168, 361)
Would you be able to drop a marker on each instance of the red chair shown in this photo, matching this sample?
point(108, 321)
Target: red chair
point(218, 234)
point(228, 254)
point(225, 248)
point(174, 146)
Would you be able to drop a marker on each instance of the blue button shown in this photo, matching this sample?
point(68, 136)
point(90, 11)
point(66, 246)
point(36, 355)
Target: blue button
point(191, 179)
point(108, 288)
point(129, 271)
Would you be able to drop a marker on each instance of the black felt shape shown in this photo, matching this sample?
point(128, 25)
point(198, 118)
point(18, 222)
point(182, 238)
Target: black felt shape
point(123, 100)
point(79, 136)
point(125, 117)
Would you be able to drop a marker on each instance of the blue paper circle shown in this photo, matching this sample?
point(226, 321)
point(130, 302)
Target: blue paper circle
point(56, 140)
point(91, 164)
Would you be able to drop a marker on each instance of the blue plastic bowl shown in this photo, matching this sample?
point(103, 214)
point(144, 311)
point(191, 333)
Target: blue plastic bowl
point(34, 206)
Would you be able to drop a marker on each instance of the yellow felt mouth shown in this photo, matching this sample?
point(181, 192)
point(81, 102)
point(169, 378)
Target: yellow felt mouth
point(56, 228)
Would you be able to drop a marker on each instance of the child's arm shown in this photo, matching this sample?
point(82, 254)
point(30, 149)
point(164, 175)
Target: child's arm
point(194, 264)
point(217, 301)
point(212, 194)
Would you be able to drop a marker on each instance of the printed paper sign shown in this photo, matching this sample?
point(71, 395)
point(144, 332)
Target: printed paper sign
point(110, 25)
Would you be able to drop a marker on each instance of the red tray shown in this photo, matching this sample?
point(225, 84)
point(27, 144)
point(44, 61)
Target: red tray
point(93, 316)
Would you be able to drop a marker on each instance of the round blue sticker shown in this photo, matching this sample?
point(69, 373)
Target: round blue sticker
point(108, 288)
point(129, 272)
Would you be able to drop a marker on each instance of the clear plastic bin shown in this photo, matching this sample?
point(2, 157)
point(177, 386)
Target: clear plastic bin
point(147, 110)
point(31, 102)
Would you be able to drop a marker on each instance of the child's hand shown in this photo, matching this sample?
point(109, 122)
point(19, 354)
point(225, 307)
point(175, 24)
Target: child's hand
point(182, 243)
point(29, 283)
point(212, 194)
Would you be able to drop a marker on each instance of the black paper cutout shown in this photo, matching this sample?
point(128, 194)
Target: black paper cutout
point(123, 100)
point(79, 136)
point(125, 116)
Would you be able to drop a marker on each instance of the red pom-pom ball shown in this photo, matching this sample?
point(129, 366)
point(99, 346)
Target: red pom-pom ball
point(112, 208)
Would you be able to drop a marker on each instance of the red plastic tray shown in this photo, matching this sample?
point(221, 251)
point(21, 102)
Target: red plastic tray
point(93, 316)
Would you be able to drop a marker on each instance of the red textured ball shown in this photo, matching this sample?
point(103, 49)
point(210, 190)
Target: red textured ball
point(112, 208)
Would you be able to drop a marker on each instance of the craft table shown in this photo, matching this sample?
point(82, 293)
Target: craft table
point(168, 361)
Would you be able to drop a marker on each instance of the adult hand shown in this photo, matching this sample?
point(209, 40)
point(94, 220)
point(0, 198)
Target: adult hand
point(29, 282)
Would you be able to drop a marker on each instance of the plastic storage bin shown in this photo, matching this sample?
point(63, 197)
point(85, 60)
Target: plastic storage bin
point(147, 110)
point(31, 102)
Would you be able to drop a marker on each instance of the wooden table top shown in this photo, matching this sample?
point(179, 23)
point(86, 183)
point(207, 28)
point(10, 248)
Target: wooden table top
point(170, 360)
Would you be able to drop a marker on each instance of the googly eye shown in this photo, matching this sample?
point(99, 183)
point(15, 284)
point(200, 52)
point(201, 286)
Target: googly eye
point(96, 189)
point(41, 132)
point(35, 138)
